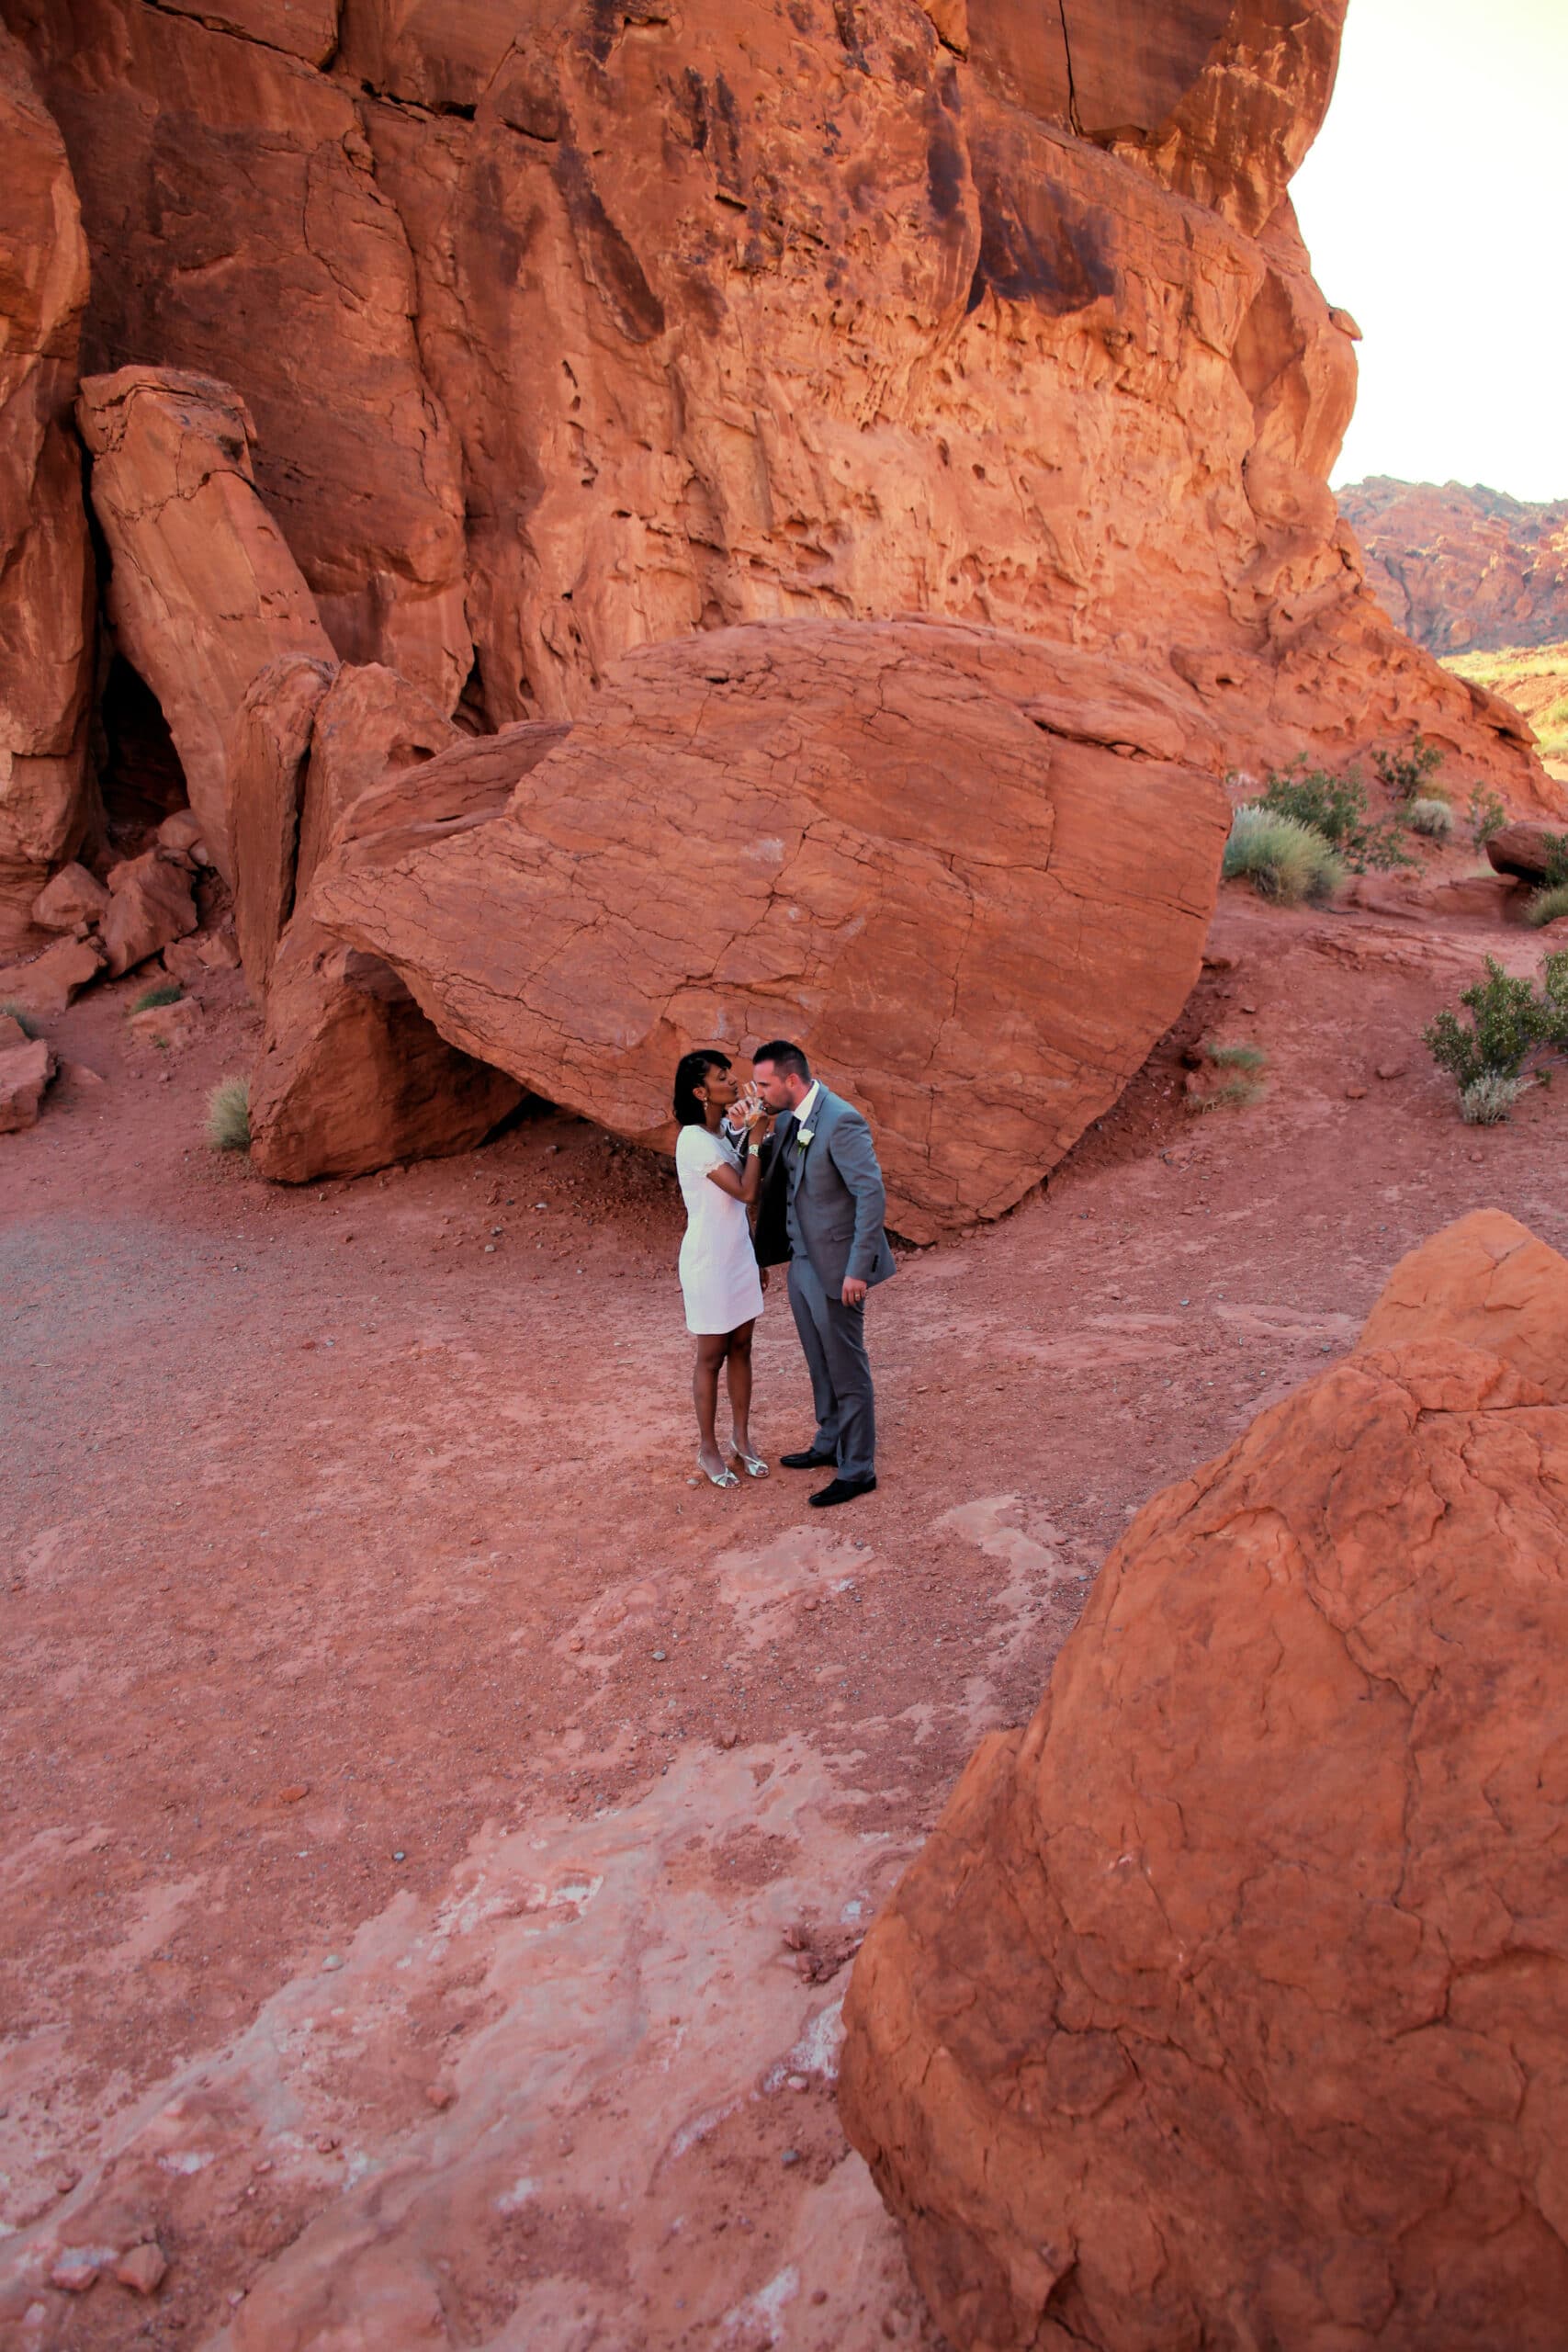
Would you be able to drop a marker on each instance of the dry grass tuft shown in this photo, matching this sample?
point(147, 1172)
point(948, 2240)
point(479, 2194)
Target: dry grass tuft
point(229, 1115)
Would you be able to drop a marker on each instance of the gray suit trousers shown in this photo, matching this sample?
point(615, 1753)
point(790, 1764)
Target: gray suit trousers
point(832, 1336)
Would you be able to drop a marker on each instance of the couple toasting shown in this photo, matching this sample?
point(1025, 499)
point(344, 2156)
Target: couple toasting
point(805, 1159)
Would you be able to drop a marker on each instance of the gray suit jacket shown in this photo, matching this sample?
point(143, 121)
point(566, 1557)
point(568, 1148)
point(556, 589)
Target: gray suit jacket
point(831, 1195)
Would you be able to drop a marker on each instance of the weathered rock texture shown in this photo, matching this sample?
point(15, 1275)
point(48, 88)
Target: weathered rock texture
point(265, 755)
point(1228, 2004)
point(203, 592)
point(873, 835)
point(351, 1075)
point(1531, 852)
point(577, 327)
point(1464, 568)
point(26, 1068)
point(46, 646)
point(150, 903)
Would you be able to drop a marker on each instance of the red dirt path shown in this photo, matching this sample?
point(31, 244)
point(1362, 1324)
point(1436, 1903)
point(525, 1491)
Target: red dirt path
point(343, 1549)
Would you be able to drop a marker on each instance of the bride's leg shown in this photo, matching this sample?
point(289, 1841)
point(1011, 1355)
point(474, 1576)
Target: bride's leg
point(711, 1348)
point(737, 1371)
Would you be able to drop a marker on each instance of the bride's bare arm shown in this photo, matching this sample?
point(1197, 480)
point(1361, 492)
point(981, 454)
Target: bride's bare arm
point(740, 1183)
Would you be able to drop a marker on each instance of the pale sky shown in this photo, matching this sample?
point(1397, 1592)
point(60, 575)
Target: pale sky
point(1435, 207)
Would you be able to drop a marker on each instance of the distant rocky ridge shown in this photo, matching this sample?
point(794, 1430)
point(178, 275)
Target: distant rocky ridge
point(1464, 570)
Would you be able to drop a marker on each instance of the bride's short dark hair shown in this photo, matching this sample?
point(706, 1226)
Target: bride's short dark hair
point(690, 1072)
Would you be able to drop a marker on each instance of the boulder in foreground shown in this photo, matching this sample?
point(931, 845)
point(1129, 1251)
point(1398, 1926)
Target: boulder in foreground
point(1228, 2004)
point(880, 838)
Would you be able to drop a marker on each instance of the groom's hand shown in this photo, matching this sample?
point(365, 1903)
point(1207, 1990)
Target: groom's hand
point(853, 1292)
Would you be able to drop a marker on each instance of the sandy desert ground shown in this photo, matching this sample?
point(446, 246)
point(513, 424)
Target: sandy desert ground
point(435, 1830)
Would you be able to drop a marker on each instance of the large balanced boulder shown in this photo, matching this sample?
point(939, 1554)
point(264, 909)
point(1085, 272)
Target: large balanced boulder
point(855, 833)
point(46, 574)
point(203, 591)
point(351, 1076)
point(1228, 2004)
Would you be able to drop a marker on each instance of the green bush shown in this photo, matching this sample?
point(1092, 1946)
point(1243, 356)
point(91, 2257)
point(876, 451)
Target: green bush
point(1509, 1022)
point(161, 992)
point(1334, 806)
point(24, 1019)
point(1433, 817)
point(1244, 1057)
point(1487, 813)
point(1408, 775)
point(1282, 859)
point(1556, 875)
point(229, 1115)
point(1547, 906)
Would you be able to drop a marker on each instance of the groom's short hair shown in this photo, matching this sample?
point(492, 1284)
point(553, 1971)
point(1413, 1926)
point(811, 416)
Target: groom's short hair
point(784, 1056)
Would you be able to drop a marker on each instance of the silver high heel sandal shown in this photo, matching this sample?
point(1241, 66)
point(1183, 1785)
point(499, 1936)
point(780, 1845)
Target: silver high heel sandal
point(753, 1463)
point(725, 1477)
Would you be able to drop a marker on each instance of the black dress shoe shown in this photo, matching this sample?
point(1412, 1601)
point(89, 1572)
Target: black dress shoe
point(842, 1490)
point(806, 1461)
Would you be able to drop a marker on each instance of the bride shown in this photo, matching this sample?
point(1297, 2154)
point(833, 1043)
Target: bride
point(719, 1277)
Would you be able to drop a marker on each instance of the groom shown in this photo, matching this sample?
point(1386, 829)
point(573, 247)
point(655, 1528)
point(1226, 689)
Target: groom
point(822, 1204)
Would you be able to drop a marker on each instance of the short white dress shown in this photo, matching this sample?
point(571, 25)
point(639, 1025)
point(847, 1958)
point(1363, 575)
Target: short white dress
point(718, 1265)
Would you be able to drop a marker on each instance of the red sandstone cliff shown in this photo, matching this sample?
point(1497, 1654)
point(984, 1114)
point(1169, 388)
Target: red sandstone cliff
point(566, 327)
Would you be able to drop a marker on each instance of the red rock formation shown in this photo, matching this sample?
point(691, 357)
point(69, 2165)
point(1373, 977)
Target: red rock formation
point(1463, 569)
point(47, 983)
point(629, 323)
point(238, 230)
point(372, 724)
point(26, 1065)
point(46, 646)
point(150, 904)
point(1228, 2003)
point(351, 1075)
point(265, 757)
point(203, 593)
point(1531, 852)
point(73, 897)
point(864, 832)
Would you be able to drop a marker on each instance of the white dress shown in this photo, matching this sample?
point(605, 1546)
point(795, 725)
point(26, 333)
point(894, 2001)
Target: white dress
point(718, 1265)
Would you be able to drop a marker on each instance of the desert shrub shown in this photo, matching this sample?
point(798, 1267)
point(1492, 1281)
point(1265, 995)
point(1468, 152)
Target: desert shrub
point(1487, 813)
point(161, 992)
point(1487, 1100)
point(1243, 1056)
point(1282, 859)
point(1547, 906)
point(21, 1015)
point(1433, 817)
point(1408, 774)
point(1239, 1092)
point(1509, 1022)
point(1334, 806)
point(1556, 875)
point(229, 1115)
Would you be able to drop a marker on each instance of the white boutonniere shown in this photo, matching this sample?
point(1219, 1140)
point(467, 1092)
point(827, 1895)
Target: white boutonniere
point(803, 1137)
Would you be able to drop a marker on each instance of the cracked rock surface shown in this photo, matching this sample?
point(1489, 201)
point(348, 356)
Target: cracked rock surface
point(1227, 2002)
